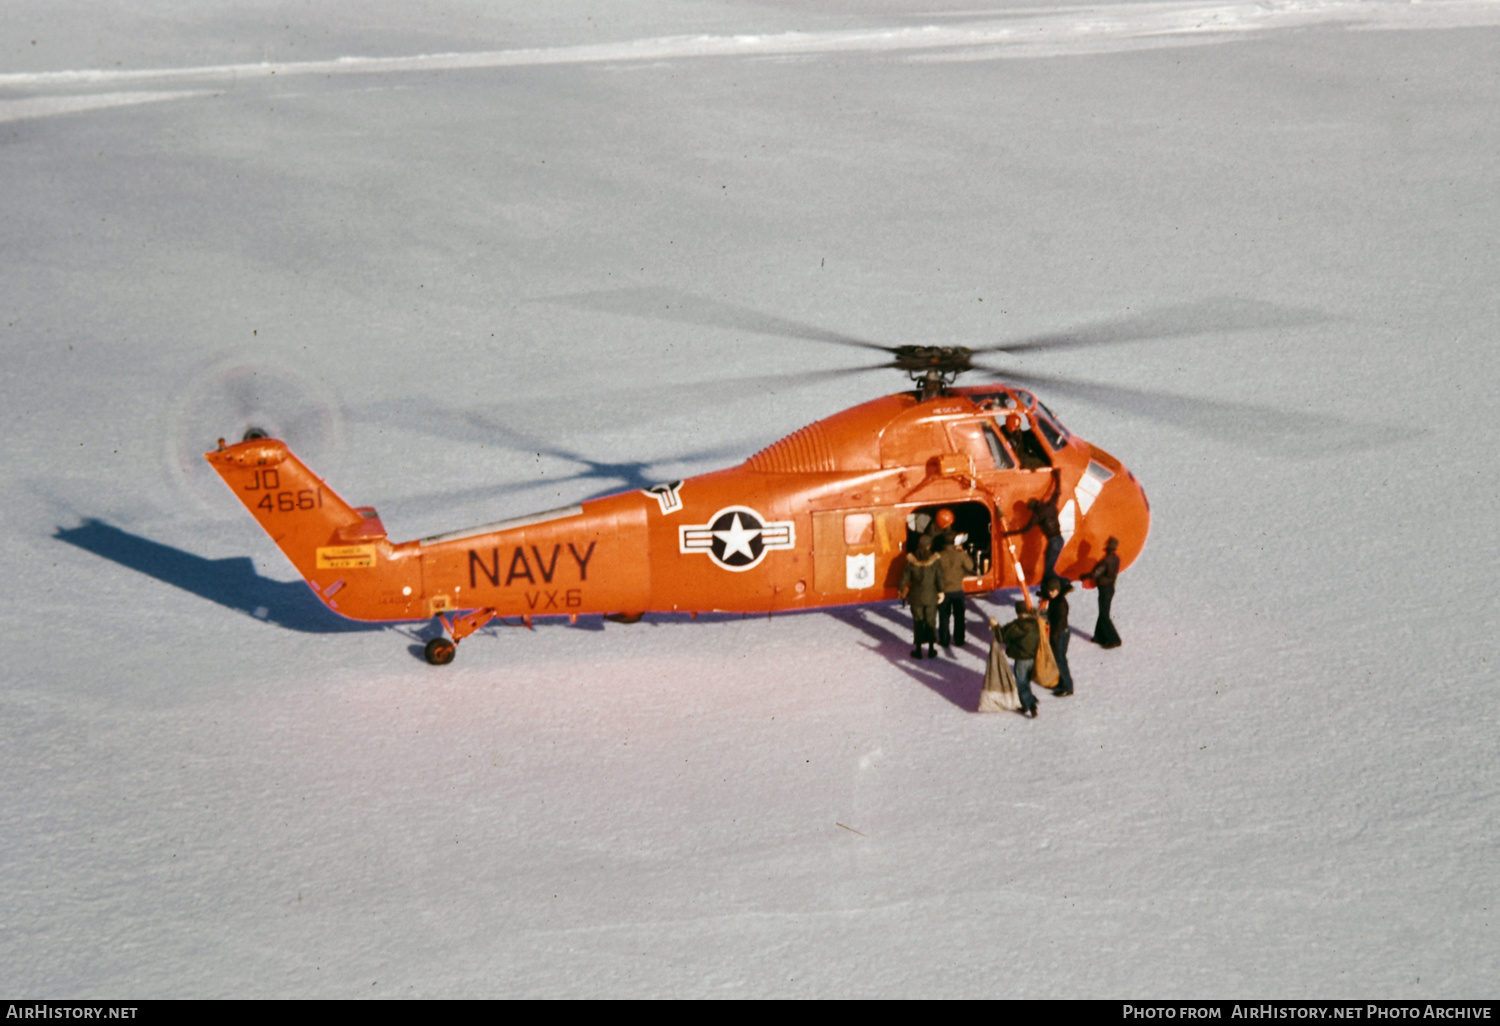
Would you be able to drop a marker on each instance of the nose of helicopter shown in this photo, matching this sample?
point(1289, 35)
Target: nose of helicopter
point(1119, 510)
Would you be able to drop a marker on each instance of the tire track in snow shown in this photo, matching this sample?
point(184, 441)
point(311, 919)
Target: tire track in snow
point(47, 106)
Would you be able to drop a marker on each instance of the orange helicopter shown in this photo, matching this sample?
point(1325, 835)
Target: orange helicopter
point(821, 518)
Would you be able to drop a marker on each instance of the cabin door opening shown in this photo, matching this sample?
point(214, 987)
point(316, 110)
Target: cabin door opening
point(971, 531)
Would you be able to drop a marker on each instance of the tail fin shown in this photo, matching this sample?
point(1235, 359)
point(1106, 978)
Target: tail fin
point(308, 521)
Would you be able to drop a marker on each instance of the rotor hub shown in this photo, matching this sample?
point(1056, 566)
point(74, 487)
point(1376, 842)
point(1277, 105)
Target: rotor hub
point(933, 367)
point(948, 361)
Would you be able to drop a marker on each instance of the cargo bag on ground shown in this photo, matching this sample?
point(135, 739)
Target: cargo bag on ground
point(999, 694)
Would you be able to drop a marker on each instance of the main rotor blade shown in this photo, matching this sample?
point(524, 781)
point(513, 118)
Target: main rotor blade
point(790, 378)
point(685, 308)
point(1203, 317)
point(1274, 431)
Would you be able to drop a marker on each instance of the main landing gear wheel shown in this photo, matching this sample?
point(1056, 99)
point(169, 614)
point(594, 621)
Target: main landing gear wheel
point(440, 651)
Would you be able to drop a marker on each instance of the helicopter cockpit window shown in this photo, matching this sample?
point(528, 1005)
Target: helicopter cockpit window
point(1055, 420)
point(1054, 434)
point(996, 400)
point(976, 439)
point(1017, 431)
point(997, 450)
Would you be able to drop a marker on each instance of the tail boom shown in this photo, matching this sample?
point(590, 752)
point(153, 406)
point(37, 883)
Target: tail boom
point(341, 552)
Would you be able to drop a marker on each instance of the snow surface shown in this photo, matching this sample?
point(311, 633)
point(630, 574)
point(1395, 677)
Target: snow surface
point(470, 287)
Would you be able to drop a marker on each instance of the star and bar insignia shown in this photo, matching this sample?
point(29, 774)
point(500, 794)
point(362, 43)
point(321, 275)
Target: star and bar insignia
point(736, 537)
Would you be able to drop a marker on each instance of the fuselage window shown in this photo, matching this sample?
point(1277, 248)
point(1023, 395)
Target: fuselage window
point(859, 529)
point(997, 450)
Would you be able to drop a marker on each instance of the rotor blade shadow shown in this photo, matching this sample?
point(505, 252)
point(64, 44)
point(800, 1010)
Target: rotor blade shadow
point(231, 583)
point(891, 633)
point(406, 506)
point(430, 419)
point(416, 503)
point(1302, 435)
point(624, 476)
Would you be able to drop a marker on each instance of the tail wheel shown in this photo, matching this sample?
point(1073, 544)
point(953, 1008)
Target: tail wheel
point(440, 651)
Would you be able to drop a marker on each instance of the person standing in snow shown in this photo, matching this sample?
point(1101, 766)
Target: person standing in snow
point(953, 564)
point(1055, 590)
point(1103, 577)
point(920, 586)
point(1021, 637)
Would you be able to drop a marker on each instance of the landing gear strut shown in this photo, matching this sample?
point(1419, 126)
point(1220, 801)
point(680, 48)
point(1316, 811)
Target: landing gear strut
point(440, 651)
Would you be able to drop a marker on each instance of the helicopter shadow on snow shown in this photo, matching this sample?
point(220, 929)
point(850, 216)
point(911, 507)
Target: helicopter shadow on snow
point(890, 628)
point(886, 624)
point(232, 583)
point(425, 632)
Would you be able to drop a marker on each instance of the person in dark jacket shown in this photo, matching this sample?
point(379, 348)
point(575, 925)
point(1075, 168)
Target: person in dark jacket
point(1056, 592)
point(1028, 450)
point(1044, 518)
point(1022, 636)
point(953, 564)
point(1103, 575)
point(921, 586)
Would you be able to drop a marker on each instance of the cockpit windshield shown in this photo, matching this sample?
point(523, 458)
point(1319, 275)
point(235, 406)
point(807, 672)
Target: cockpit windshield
point(1052, 431)
point(998, 454)
point(998, 399)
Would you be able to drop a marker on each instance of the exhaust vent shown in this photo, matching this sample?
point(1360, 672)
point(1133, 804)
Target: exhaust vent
point(802, 452)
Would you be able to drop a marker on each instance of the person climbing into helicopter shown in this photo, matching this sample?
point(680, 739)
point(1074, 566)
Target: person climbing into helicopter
point(922, 589)
point(1021, 637)
point(953, 564)
point(1103, 577)
point(1044, 517)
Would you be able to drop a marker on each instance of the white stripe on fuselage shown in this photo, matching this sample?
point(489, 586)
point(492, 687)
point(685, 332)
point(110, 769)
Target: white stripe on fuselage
point(507, 525)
